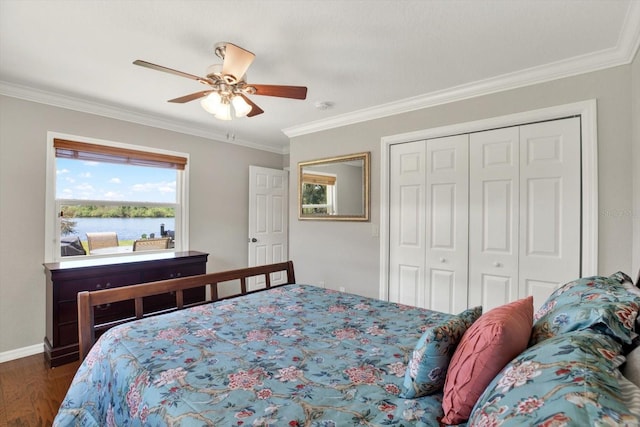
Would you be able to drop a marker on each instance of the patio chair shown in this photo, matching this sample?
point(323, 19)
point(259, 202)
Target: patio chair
point(105, 239)
point(151, 244)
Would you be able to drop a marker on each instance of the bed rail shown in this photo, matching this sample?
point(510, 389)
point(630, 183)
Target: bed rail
point(89, 299)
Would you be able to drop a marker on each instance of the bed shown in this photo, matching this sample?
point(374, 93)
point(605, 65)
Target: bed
point(301, 355)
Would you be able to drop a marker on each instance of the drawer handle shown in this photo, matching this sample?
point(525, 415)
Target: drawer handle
point(107, 285)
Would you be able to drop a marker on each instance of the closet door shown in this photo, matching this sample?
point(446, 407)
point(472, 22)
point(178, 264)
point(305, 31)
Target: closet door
point(485, 218)
point(550, 200)
point(493, 217)
point(407, 224)
point(447, 223)
point(524, 211)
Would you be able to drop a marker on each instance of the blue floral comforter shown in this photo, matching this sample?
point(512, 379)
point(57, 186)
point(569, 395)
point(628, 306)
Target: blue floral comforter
point(290, 356)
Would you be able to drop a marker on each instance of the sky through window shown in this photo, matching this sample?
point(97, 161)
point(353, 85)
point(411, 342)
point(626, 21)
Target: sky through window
point(83, 180)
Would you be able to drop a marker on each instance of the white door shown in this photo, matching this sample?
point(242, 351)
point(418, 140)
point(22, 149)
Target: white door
point(407, 223)
point(428, 199)
point(268, 220)
point(550, 200)
point(447, 196)
point(524, 218)
point(485, 218)
point(493, 217)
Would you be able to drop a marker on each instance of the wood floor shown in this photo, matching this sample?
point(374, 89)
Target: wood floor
point(31, 392)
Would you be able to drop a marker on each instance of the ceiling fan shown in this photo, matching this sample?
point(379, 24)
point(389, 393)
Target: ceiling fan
point(228, 85)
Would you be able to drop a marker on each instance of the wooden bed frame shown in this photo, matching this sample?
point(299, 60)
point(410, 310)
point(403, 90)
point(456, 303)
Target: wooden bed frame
point(87, 300)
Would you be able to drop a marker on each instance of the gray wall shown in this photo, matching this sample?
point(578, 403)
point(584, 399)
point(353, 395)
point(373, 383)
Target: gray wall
point(347, 254)
point(218, 195)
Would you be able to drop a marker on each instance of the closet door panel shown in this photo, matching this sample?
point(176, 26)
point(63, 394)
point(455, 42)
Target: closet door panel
point(407, 234)
point(549, 206)
point(493, 217)
point(443, 290)
point(447, 193)
point(496, 288)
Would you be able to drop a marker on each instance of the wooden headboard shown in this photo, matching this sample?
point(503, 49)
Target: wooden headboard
point(87, 300)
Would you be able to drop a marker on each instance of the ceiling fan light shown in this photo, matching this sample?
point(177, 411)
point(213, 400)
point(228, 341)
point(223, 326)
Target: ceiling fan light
point(241, 106)
point(211, 102)
point(223, 112)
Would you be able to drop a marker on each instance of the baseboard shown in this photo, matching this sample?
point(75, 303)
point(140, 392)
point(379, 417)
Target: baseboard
point(6, 356)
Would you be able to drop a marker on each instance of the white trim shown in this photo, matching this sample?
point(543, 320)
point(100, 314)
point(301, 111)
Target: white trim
point(622, 54)
point(52, 245)
point(588, 112)
point(19, 353)
point(92, 107)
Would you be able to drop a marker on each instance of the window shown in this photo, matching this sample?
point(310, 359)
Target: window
point(110, 199)
point(318, 193)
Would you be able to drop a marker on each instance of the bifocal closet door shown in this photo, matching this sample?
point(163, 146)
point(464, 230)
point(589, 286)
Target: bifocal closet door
point(493, 217)
point(428, 217)
point(524, 211)
point(407, 235)
point(447, 223)
point(549, 206)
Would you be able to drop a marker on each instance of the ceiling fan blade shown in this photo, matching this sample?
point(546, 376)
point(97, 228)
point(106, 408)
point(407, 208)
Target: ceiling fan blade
point(295, 92)
point(255, 110)
point(236, 62)
point(191, 97)
point(168, 70)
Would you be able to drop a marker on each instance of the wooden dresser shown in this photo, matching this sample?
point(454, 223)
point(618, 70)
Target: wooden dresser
point(65, 279)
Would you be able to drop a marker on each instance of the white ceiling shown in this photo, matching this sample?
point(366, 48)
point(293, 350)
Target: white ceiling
point(368, 58)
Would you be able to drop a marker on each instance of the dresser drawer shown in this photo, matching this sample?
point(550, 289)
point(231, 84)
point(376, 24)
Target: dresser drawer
point(173, 272)
point(69, 289)
point(114, 311)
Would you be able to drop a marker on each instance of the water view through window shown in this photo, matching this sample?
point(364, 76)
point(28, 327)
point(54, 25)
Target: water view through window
point(122, 202)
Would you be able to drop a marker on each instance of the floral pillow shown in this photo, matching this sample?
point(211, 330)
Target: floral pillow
point(428, 365)
point(599, 303)
point(565, 380)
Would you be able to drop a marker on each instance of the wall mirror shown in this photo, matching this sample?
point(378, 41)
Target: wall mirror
point(334, 189)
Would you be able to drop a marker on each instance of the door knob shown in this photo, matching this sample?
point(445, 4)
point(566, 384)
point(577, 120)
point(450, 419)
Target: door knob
point(497, 264)
point(253, 240)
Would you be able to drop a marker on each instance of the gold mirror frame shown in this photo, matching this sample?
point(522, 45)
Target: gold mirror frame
point(323, 172)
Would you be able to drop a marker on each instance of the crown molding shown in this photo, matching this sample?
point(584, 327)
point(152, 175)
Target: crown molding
point(91, 107)
point(624, 52)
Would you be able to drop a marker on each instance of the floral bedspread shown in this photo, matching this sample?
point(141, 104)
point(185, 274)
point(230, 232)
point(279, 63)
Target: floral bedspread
point(291, 356)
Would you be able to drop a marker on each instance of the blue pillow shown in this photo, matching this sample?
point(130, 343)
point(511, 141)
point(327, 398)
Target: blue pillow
point(427, 368)
point(566, 380)
point(599, 303)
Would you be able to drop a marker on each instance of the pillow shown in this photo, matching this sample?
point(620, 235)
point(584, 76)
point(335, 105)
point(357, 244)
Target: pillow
point(600, 303)
point(567, 380)
point(428, 365)
point(488, 345)
point(622, 278)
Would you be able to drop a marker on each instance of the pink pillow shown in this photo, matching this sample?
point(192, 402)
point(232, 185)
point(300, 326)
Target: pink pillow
point(487, 346)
